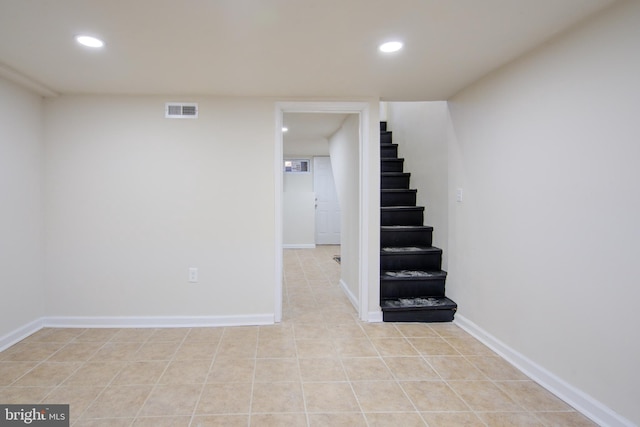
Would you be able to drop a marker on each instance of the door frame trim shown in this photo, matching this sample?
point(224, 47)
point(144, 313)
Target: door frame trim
point(363, 110)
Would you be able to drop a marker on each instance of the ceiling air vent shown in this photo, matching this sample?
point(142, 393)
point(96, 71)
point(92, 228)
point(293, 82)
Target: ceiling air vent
point(181, 110)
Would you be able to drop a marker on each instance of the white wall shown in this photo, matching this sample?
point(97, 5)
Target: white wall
point(345, 162)
point(133, 200)
point(21, 212)
point(298, 212)
point(302, 148)
point(420, 130)
point(298, 208)
point(544, 247)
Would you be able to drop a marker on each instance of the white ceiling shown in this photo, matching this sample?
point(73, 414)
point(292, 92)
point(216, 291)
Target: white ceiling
point(280, 48)
point(317, 125)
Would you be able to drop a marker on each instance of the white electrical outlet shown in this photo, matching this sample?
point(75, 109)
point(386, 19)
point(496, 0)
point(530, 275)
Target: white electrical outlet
point(193, 274)
point(459, 195)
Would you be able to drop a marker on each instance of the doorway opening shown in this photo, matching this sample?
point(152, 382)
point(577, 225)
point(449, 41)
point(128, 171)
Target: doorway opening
point(354, 234)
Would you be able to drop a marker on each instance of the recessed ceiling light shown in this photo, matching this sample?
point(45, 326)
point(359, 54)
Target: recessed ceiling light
point(284, 129)
point(89, 41)
point(390, 47)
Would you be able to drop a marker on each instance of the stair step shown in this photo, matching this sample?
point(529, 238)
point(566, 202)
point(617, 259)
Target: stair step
point(420, 258)
point(388, 150)
point(435, 309)
point(394, 180)
point(383, 126)
point(397, 197)
point(401, 215)
point(406, 235)
point(392, 164)
point(385, 137)
point(412, 283)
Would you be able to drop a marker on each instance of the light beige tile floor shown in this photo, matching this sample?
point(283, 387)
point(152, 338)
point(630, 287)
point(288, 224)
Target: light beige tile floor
point(319, 367)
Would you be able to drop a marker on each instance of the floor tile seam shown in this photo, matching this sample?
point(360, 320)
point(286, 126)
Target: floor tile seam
point(406, 395)
point(274, 412)
point(445, 382)
point(111, 418)
point(447, 339)
point(61, 383)
point(353, 390)
point(468, 357)
point(497, 383)
point(523, 409)
point(212, 361)
point(28, 371)
point(529, 413)
point(462, 356)
point(156, 384)
point(412, 357)
point(252, 388)
point(78, 342)
point(304, 395)
point(104, 390)
point(145, 340)
point(457, 352)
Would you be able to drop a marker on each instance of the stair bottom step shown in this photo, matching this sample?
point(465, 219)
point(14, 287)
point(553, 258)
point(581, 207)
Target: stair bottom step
point(440, 309)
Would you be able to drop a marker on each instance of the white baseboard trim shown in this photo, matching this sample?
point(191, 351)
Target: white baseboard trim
point(159, 321)
point(21, 333)
point(582, 402)
point(352, 298)
point(375, 316)
point(372, 316)
point(299, 246)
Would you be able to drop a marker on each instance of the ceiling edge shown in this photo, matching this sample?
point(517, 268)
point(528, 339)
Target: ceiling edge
point(27, 82)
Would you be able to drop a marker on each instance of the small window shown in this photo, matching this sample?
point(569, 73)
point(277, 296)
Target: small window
point(297, 165)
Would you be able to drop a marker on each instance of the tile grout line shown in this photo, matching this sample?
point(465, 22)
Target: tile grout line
point(397, 381)
point(163, 371)
point(474, 412)
point(213, 359)
point(83, 363)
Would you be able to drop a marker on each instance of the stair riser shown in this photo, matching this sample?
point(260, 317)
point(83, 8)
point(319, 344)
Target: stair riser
point(385, 137)
point(383, 126)
point(391, 182)
point(406, 238)
point(395, 165)
point(389, 151)
point(430, 316)
point(402, 218)
point(411, 261)
point(397, 198)
point(412, 288)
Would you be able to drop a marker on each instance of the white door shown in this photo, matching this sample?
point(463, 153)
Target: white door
point(327, 206)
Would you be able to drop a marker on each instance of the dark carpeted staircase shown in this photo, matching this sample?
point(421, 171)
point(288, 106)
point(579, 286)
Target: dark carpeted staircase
point(411, 278)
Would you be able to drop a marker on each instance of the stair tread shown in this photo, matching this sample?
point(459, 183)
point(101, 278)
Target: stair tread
point(405, 227)
point(428, 303)
point(399, 190)
point(395, 173)
point(411, 274)
point(402, 208)
point(409, 249)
